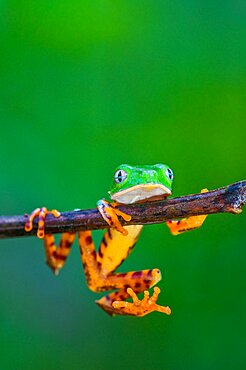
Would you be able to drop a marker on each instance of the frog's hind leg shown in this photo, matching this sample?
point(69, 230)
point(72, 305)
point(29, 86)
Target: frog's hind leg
point(99, 271)
point(106, 301)
point(113, 250)
point(140, 307)
point(55, 256)
point(129, 285)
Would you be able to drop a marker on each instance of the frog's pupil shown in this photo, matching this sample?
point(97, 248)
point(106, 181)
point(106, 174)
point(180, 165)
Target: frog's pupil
point(120, 176)
point(170, 173)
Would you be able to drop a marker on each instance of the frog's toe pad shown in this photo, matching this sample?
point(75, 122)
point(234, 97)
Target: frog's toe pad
point(141, 307)
point(41, 213)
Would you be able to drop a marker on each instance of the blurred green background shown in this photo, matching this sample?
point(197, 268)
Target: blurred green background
point(85, 86)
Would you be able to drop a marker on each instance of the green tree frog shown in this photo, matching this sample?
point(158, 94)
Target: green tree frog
point(131, 184)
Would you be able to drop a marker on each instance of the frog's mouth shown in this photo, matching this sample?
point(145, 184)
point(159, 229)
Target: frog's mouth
point(140, 192)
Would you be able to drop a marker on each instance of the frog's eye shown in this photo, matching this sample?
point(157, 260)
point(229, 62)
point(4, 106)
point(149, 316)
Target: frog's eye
point(169, 174)
point(120, 176)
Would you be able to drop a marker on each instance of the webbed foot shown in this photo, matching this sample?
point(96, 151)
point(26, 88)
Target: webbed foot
point(140, 307)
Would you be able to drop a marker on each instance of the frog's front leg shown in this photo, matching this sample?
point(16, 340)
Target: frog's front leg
point(110, 215)
point(186, 224)
point(99, 270)
point(55, 256)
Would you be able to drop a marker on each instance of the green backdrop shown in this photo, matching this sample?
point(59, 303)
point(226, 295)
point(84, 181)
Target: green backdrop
point(85, 86)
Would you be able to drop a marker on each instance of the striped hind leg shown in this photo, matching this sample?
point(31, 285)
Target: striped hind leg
point(99, 271)
point(55, 256)
point(131, 284)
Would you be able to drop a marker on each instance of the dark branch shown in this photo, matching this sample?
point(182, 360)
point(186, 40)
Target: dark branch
point(227, 199)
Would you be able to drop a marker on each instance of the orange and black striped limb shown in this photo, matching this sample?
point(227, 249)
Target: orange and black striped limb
point(185, 224)
point(141, 307)
point(188, 223)
point(99, 271)
point(41, 213)
point(110, 215)
point(56, 256)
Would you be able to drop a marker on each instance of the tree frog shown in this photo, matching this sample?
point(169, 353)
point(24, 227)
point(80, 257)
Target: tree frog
point(131, 184)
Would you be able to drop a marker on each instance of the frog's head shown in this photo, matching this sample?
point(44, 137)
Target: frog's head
point(135, 183)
